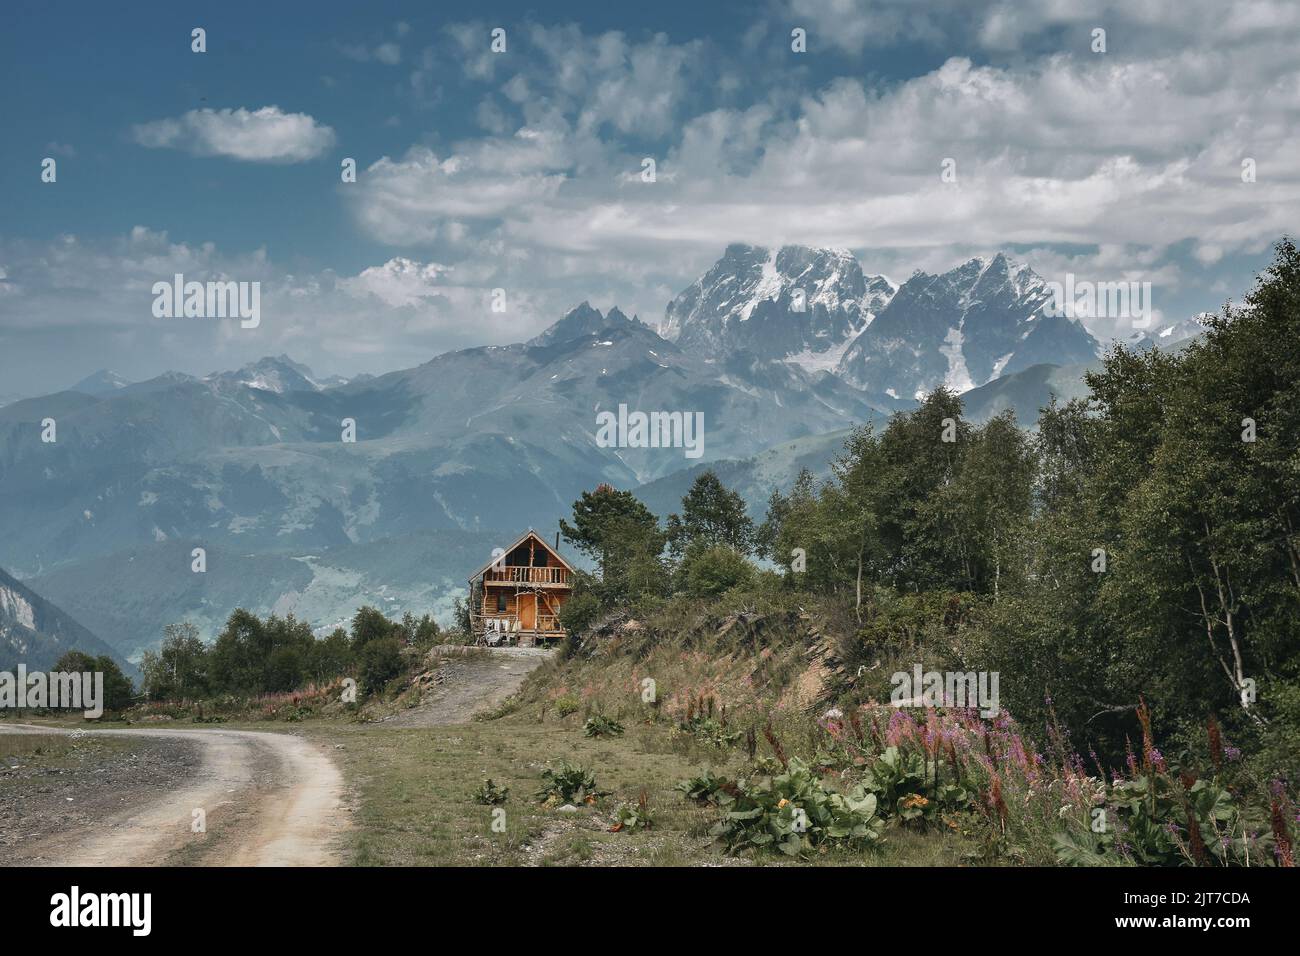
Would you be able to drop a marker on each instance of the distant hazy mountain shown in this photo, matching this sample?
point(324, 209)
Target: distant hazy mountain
point(280, 374)
point(481, 439)
point(754, 477)
point(1026, 392)
point(748, 302)
point(417, 572)
point(100, 383)
point(962, 329)
point(35, 632)
point(583, 321)
point(1165, 336)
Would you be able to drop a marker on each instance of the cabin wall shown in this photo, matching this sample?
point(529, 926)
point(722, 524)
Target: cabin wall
point(548, 601)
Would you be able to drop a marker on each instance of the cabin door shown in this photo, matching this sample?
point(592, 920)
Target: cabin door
point(528, 612)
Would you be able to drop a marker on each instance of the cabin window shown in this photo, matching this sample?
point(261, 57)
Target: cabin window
point(539, 558)
point(501, 603)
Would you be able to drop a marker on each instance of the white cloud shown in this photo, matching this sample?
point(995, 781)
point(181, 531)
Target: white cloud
point(1008, 26)
point(389, 54)
point(266, 135)
point(88, 303)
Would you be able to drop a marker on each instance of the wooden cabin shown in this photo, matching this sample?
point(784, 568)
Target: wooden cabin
point(516, 597)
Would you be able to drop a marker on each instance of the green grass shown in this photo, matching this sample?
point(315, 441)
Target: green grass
point(414, 806)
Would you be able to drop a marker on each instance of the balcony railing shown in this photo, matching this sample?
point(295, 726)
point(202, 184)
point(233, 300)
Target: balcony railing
point(527, 575)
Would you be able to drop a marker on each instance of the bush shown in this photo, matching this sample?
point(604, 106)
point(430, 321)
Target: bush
point(602, 726)
point(566, 705)
point(579, 612)
point(711, 571)
point(794, 812)
point(489, 794)
point(381, 661)
point(569, 784)
point(117, 686)
point(633, 816)
point(706, 787)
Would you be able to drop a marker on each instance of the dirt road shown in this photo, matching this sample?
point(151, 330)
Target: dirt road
point(266, 799)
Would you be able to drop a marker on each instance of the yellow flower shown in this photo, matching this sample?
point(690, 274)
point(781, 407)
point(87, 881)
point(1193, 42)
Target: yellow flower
point(783, 802)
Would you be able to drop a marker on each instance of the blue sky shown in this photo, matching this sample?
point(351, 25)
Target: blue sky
point(520, 170)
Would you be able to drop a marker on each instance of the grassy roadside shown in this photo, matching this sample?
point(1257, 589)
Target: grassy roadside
point(414, 806)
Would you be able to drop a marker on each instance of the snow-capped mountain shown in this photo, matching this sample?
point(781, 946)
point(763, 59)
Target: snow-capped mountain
point(1165, 336)
point(749, 301)
point(278, 374)
point(102, 382)
point(963, 329)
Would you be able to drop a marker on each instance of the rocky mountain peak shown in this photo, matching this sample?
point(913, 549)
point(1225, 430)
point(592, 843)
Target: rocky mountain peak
point(795, 303)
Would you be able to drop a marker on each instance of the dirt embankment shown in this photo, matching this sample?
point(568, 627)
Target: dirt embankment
point(463, 684)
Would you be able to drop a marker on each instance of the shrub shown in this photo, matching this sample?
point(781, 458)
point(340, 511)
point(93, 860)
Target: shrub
point(709, 730)
point(794, 812)
point(705, 787)
point(117, 686)
point(569, 784)
point(633, 816)
point(489, 794)
point(381, 661)
point(602, 726)
point(711, 571)
point(566, 705)
point(579, 612)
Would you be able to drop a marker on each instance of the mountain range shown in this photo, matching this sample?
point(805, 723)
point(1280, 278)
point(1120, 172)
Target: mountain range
point(35, 632)
point(781, 351)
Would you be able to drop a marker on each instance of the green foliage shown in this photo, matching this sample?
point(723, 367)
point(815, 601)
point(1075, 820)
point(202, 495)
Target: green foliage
point(635, 816)
point(489, 794)
point(381, 661)
point(569, 784)
point(252, 656)
point(705, 787)
point(908, 785)
point(794, 812)
point(623, 537)
point(117, 686)
point(599, 725)
point(709, 571)
point(460, 613)
point(1156, 819)
point(1145, 542)
point(712, 516)
point(710, 730)
point(579, 612)
point(179, 669)
point(566, 705)
point(421, 633)
point(370, 624)
point(330, 657)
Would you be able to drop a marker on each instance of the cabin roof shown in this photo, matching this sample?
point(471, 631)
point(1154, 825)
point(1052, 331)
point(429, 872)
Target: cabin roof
point(530, 533)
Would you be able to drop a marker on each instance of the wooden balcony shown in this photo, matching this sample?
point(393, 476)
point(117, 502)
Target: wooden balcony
point(541, 577)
